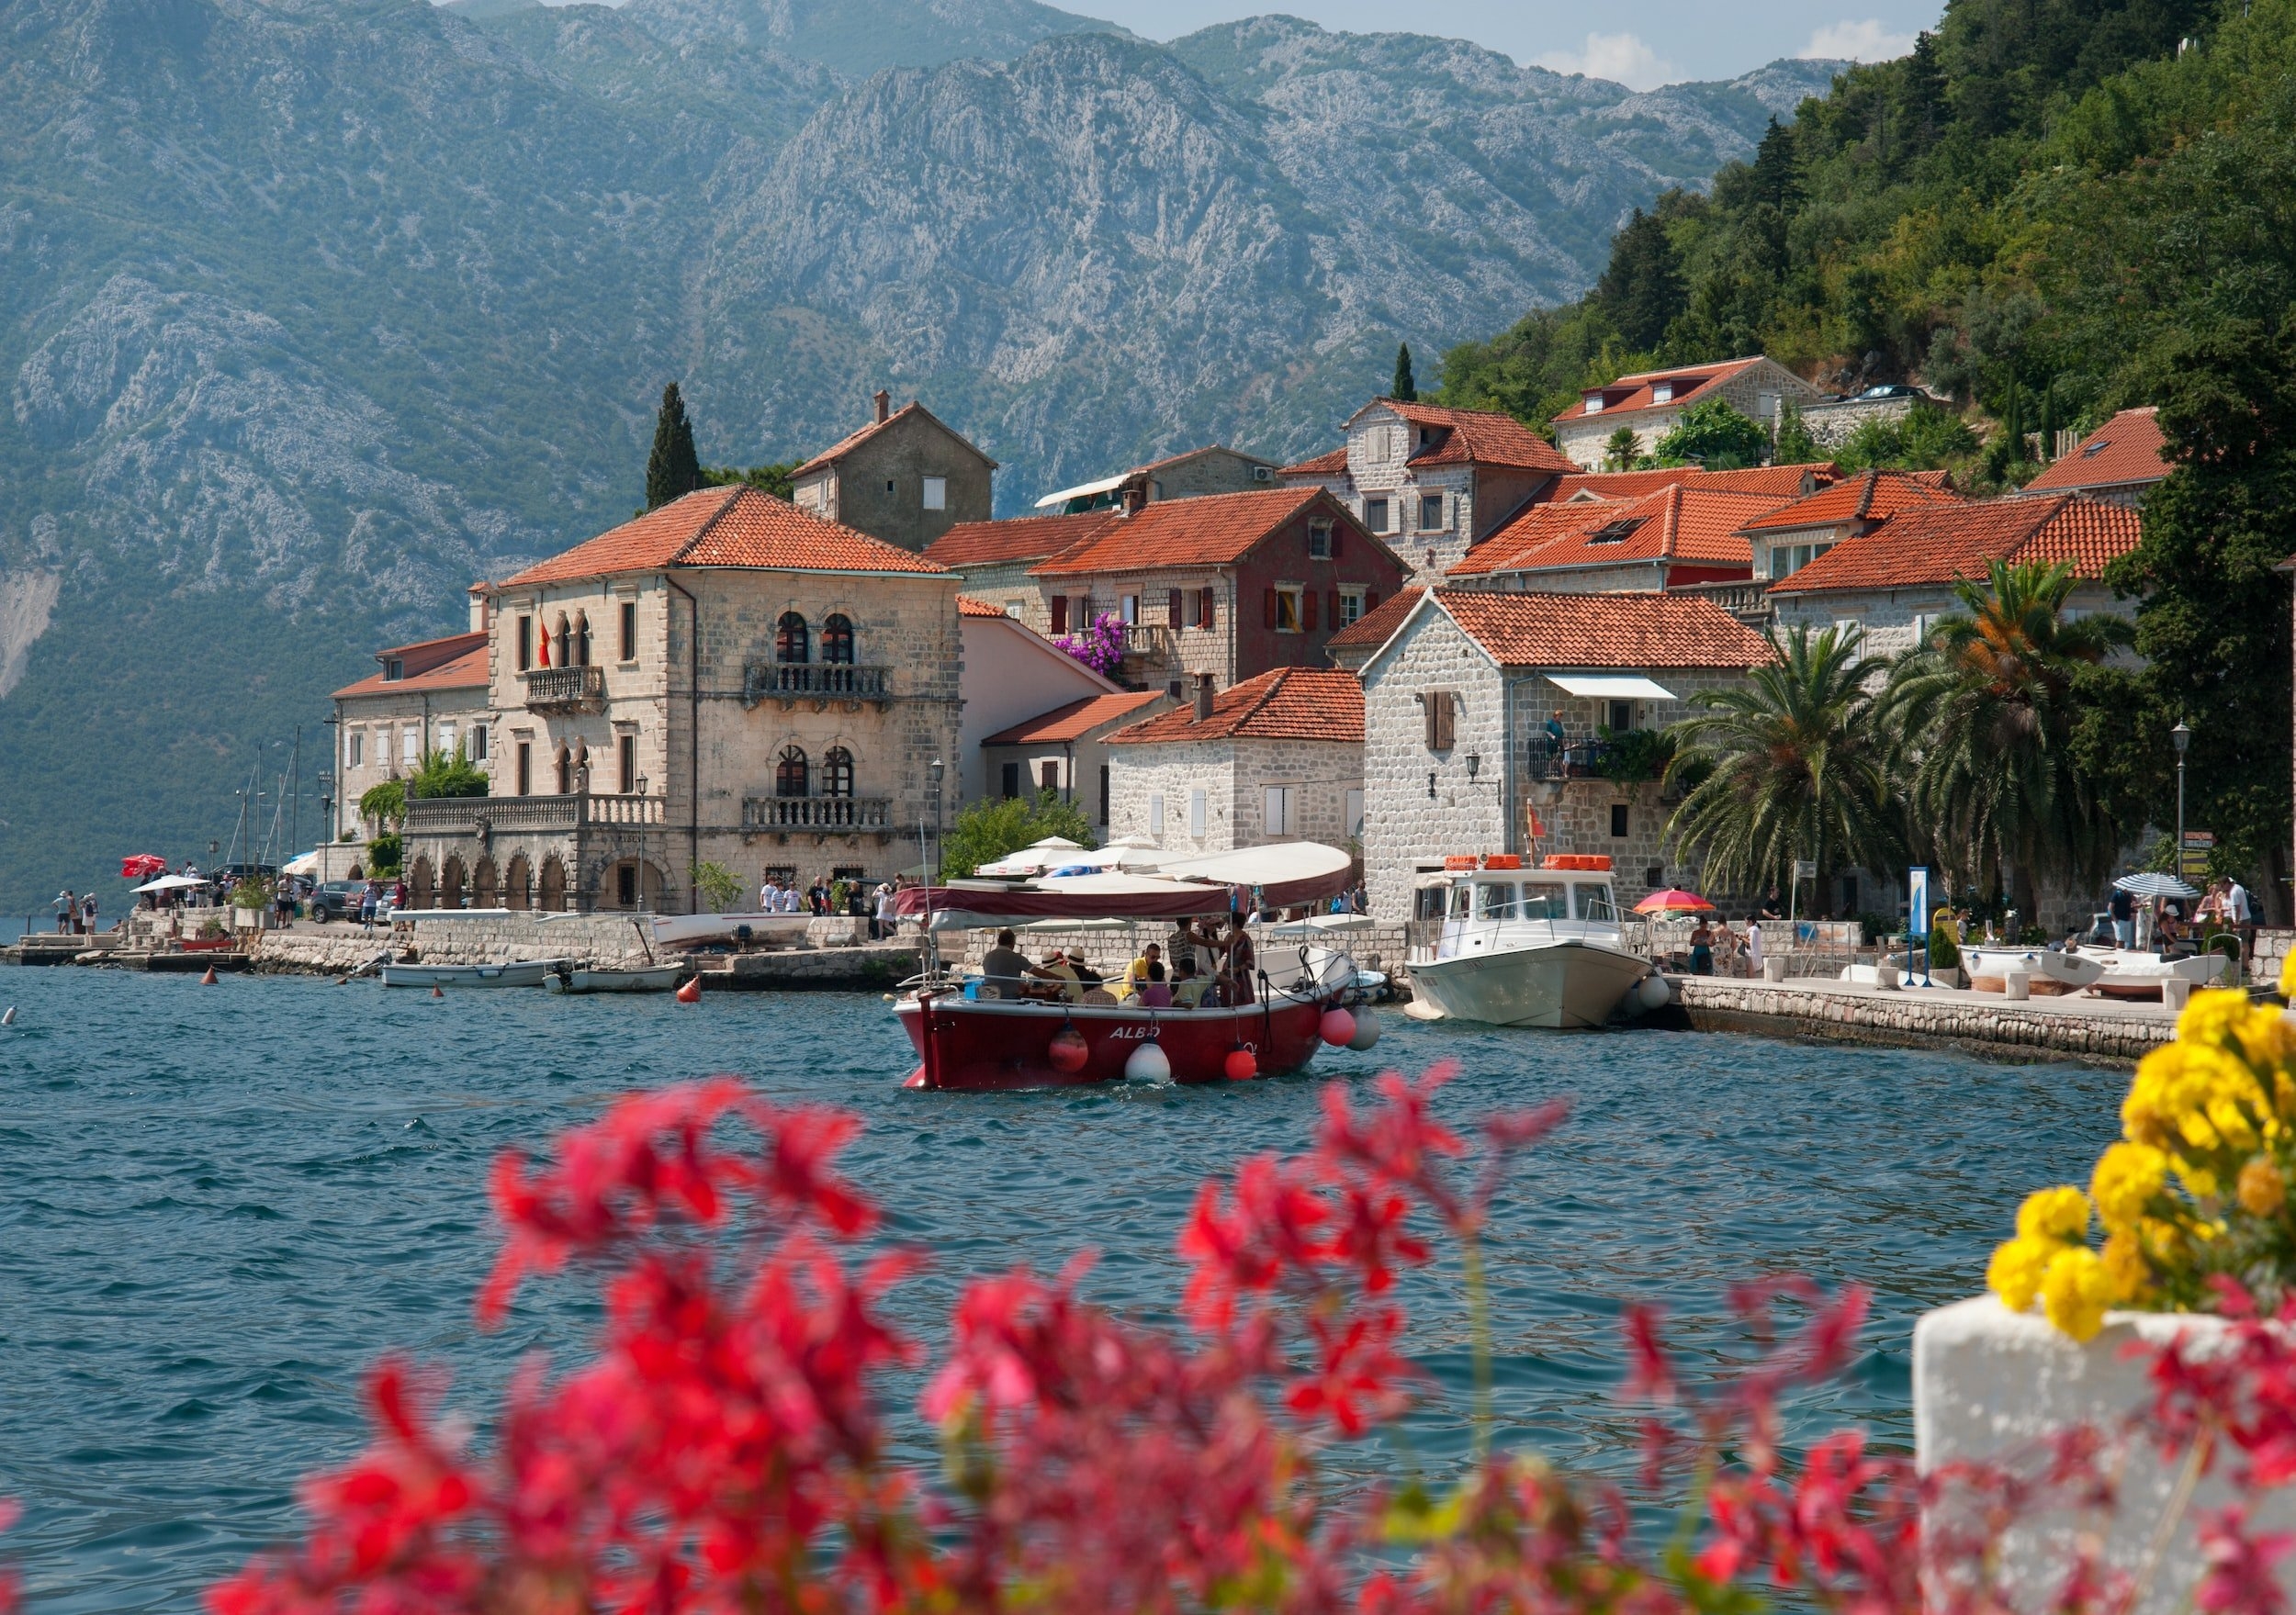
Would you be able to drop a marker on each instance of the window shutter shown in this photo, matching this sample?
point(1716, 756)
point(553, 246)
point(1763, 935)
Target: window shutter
point(1306, 610)
point(1338, 528)
point(1060, 613)
point(1332, 601)
point(1172, 609)
point(1269, 602)
point(1446, 722)
point(1428, 703)
point(1207, 617)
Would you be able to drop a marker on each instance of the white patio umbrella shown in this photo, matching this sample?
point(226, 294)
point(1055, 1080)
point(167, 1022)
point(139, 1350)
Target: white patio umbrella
point(2148, 884)
point(170, 883)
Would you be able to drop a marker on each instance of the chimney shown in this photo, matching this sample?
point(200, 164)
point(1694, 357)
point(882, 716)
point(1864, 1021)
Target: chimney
point(1204, 697)
point(480, 621)
point(1135, 498)
point(885, 405)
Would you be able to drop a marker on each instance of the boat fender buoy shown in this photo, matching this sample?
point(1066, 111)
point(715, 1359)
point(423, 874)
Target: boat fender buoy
point(437, 990)
point(692, 991)
point(1148, 1063)
point(209, 980)
point(1367, 1030)
point(8, 1018)
point(1068, 1051)
point(1338, 1028)
point(1654, 992)
point(1242, 1065)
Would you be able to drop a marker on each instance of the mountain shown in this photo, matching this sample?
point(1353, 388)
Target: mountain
point(317, 310)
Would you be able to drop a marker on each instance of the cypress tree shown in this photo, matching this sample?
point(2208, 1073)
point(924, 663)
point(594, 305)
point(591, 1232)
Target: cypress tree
point(1405, 391)
point(2013, 422)
point(673, 469)
point(2049, 423)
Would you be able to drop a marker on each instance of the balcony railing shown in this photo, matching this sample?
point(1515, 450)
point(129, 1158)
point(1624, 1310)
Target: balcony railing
point(1746, 600)
point(789, 682)
point(1151, 641)
point(816, 813)
point(564, 689)
point(464, 815)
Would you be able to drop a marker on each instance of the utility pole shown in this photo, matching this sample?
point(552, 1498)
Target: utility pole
point(2183, 737)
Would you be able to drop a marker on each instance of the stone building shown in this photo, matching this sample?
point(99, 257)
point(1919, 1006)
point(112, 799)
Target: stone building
point(2118, 462)
point(1352, 646)
point(1277, 758)
point(1790, 536)
point(906, 477)
point(1651, 403)
point(1189, 474)
point(1228, 585)
point(427, 697)
point(725, 679)
point(1678, 535)
point(1455, 757)
point(1064, 750)
point(995, 557)
point(1012, 674)
point(1433, 482)
point(1896, 580)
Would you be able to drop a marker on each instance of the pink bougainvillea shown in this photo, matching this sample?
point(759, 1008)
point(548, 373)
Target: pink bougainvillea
point(1099, 644)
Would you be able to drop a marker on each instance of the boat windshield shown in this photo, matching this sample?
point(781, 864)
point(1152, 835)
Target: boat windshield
point(1545, 900)
point(1429, 903)
point(1462, 897)
point(1595, 904)
point(1495, 900)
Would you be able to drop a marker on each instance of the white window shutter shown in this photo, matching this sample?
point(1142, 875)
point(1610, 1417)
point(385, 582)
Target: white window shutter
point(1156, 813)
point(1196, 814)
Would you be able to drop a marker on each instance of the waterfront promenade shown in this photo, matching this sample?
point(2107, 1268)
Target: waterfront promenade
point(2078, 1028)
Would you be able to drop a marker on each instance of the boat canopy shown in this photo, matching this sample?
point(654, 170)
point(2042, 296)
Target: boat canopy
point(1284, 874)
point(1083, 491)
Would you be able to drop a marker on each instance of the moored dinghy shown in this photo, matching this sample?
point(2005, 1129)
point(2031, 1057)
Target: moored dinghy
point(644, 979)
point(511, 973)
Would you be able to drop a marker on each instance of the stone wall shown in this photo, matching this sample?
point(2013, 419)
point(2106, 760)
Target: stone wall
point(1831, 424)
point(609, 940)
point(1235, 775)
point(1893, 619)
point(1921, 1018)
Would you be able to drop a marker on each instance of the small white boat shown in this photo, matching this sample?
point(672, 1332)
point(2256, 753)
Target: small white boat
point(645, 979)
point(1517, 946)
point(2114, 972)
point(675, 929)
point(527, 972)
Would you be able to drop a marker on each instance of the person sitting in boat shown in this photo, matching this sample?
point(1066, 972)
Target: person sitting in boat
point(1188, 986)
point(1148, 967)
point(1081, 969)
point(1004, 965)
point(1055, 979)
point(1238, 962)
point(1149, 988)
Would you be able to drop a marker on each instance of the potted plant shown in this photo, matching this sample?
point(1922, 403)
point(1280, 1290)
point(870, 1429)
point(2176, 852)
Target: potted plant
point(251, 903)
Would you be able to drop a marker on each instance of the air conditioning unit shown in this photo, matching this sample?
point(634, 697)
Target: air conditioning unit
point(1262, 473)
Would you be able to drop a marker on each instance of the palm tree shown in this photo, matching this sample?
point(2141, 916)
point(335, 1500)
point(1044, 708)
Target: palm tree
point(1985, 711)
point(1793, 767)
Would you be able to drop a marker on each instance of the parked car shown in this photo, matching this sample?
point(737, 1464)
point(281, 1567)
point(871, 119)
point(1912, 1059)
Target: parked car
point(338, 899)
point(1892, 389)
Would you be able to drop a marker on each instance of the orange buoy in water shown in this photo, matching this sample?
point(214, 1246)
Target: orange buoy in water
point(209, 980)
point(1242, 1065)
point(437, 990)
point(1068, 1051)
point(692, 991)
point(1338, 1028)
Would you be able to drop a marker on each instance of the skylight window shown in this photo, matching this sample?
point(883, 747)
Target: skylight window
point(2098, 447)
point(1616, 531)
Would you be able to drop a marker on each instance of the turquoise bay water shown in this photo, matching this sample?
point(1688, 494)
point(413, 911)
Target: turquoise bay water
point(217, 1204)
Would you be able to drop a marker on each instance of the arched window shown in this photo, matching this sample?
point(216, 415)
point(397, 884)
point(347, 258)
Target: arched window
point(581, 639)
point(790, 639)
point(791, 777)
point(566, 644)
point(837, 639)
point(836, 772)
point(565, 770)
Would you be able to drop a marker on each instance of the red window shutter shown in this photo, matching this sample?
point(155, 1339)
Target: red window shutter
point(1207, 617)
point(1330, 602)
point(1370, 602)
point(1269, 602)
point(1306, 610)
point(1060, 613)
point(1172, 609)
point(1338, 528)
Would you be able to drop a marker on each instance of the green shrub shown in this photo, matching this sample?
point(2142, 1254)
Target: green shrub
point(1944, 951)
point(718, 887)
point(383, 854)
point(1634, 757)
point(253, 892)
point(989, 830)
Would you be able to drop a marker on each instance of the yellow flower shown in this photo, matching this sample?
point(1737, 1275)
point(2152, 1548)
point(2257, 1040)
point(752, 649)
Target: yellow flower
point(2261, 1191)
point(2127, 1177)
point(2125, 1267)
point(2287, 977)
point(2214, 1018)
point(2200, 1182)
point(2016, 1270)
point(2061, 1213)
point(2075, 1292)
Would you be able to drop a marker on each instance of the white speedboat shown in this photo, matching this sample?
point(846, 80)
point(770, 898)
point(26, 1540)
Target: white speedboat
point(645, 979)
point(526, 973)
point(1514, 946)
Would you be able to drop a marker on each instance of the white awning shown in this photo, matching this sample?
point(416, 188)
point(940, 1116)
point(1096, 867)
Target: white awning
point(1084, 490)
point(1612, 687)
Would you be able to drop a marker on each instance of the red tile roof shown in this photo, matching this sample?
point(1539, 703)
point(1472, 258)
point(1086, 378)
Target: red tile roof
point(1284, 703)
point(1211, 529)
point(1331, 463)
point(853, 440)
point(2128, 449)
point(1017, 538)
point(462, 666)
point(969, 607)
point(1481, 437)
point(1594, 631)
point(1370, 630)
point(1631, 393)
point(1869, 495)
point(1686, 522)
point(1940, 542)
point(1073, 721)
point(1171, 460)
point(1785, 481)
point(738, 526)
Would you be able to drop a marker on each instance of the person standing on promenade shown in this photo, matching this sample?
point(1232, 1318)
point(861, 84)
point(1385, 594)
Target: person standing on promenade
point(87, 914)
point(1753, 945)
point(887, 918)
point(2240, 914)
point(67, 906)
point(2122, 907)
point(1702, 947)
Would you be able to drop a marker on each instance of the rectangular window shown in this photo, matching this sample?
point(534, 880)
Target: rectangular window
point(410, 747)
point(446, 740)
point(626, 756)
point(1010, 782)
point(629, 631)
point(1622, 716)
point(1131, 611)
point(1351, 608)
point(1196, 804)
point(1276, 819)
point(626, 884)
point(1430, 512)
point(357, 754)
point(478, 742)
point(1015, 609)
point(1060, 613)
point(1320, 541)
point(1048, 776)
point(525, 643)
point(1156, 813)
point(1287, 616)
point(1619, 819)
point(1439, 719)
point(1355, 811)
point(525, 768)
point(936, 493)
point(1104, 796)
point(1661, 392)
point(1207, 613)
point(1375, 514)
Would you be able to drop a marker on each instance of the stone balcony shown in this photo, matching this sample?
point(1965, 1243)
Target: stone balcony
point(819, 814)
point(482, 815)
point(1748, 599)
point(564, 689)
point(819, 682)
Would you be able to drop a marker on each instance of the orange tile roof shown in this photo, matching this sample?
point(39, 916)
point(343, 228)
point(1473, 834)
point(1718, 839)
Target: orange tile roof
point(1939, 544)
point(1869, 495)
point(1170, 460)
point(1482, 437)
point(1283, 703)
point(1073, 721)
point(853, 440)
point(1594, 631)
point(1370, 630)
point(969, 607)
point(1331, 463)
point(1785, 481)
point(737, 526)
point(466, 670)
point(1631, 393)
point(1211, 529)
point(1017, 538)
point(1685, 522)
point(2128, 449)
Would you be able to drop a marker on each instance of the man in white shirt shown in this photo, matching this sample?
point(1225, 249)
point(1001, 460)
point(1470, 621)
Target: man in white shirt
point(888, 920)
point(2241, 915)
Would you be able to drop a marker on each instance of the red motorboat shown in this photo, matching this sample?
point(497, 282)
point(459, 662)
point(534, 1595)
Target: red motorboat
point(964, 1041)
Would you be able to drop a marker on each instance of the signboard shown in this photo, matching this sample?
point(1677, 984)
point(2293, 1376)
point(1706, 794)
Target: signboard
point(1805, 868)
point(2192, 862)
point(2203, 839)
point(1917, 901)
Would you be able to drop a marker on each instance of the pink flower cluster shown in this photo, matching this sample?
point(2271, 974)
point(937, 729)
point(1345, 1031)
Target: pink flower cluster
point(1098, 644)
point(723, 1450)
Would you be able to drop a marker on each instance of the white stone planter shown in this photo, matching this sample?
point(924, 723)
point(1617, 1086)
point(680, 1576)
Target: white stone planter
point(1774, 967)
point(249, 919)
point(1988, 1383)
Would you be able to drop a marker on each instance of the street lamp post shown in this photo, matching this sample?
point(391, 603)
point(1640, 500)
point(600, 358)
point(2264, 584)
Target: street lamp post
point(2183, 737)
point(641, 844)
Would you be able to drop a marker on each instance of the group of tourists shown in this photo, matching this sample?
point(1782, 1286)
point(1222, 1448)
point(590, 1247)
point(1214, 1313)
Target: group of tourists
point(75, 915)
point(838, 894)
point(1192, 969)
point(2168, 923)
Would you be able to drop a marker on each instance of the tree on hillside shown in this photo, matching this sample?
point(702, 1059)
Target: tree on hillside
point(1986, 713)
point(773, 479)
point(1642, 288)
point(673, 469)
point(1405, 391)
point(1712, 434)
point(1789, 766)
point(988, 830)
point(1795, 446)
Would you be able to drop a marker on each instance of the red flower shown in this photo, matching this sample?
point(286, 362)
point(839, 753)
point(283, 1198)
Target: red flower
point(1267, 1235)
point(1357, 1380)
